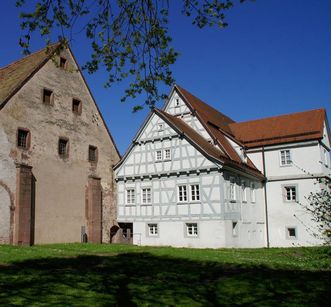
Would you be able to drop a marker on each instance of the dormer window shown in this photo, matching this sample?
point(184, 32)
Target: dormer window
point(48, 97)
point(76, 106)
point(63, 63)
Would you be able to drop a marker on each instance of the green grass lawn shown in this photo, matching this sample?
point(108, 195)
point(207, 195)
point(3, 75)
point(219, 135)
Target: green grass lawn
point(123, 275)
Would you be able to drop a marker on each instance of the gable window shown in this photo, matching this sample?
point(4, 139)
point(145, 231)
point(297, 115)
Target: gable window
point(23, 138)
point(191, 229)
point(160, 127)
point(130, 197)
point(76, 106)
point(235, 229)
point(92, 153)
point(63, 63)
point(177, 102)
point(182, 194)
point(290, 193)
point(146, 196)
point(232, 192)
point(153, 230)
point(63, 147)
point(285, 157)
point(48, 97)
point(158, 155)
point(253, 193)
point(167, 154)
point(195, 192)
point(291, 233)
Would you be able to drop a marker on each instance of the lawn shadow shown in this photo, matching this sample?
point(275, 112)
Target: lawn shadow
point(136, 279)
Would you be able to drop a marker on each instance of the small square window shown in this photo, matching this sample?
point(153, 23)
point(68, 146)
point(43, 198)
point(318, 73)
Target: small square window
point(76, 106)
point(285, 157)
point(130, 197)
point(290, 193)
point(291, 233)
point(63, 63)
point(158, 155)
point(191, 229)
point(160, 127)
point(63, 148)
point(153, 230)
point(92, 153)
point(23, 138)
point(48, 97)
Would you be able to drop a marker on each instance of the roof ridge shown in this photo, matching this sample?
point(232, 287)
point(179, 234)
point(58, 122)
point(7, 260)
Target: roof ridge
point(28, 56)
point(277, 116)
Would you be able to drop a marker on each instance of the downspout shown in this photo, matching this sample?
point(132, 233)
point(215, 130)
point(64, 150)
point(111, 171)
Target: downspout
point(265, 198)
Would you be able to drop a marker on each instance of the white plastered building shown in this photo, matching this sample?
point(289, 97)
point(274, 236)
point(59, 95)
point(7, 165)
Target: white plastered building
point(193, 177)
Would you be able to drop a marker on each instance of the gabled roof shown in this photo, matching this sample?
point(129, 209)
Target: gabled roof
point(295, 127)
point(215, 122)
point(204, 146)
point(16, 74)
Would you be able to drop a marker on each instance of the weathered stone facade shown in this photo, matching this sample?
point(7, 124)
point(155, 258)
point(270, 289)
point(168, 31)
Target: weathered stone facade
point(60, 204)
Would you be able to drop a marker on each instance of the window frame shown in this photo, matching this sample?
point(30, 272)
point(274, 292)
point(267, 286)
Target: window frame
point(27, 138)
point(287, 162)
point(290, 186)
point(184, 193)
point(64, 67)
point(157, 158)
point(195, 230)
point(51, 96)
point(96, 154)
point(165, 154)
point(66, 155)
point(79, 109)
point(148, 201)
point(287, 234)
point(235, 229)
point(232, 192)
point(132, 197)
point(152, 230)
point(197, 192)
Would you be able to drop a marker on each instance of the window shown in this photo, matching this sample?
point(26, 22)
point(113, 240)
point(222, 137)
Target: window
point(63, 147)
point(232, 191)
point(182, 194)
point(146, 196)
point(290, 193)
point(63, 63)
point(160, 127)
point(167, 154)
point(177, 102)
point(195, 192)
point(23, 138)
point(285, 157)
point(153, 230)
point(76, 106)
point(291, 233)
point(130, 197)
point(253, 194)
point(92, 153)
point(191, 229)
point(326, 160)
point(48, 97)
point(158, 155)
point(244, 193)
point(235, 229)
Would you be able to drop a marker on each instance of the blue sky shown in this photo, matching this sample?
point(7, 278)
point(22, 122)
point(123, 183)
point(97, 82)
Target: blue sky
point(274, 58)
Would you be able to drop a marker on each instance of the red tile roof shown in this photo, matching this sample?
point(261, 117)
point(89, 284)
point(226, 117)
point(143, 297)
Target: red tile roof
point(296, 127)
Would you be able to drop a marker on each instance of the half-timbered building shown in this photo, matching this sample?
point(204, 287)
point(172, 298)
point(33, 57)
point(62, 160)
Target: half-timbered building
point(193, 177)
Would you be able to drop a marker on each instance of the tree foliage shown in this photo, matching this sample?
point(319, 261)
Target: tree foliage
point(130, 38)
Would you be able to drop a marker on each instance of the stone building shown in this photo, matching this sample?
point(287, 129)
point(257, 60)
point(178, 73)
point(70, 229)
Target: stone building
point(194, 177)
point(56, 154)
